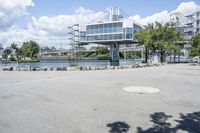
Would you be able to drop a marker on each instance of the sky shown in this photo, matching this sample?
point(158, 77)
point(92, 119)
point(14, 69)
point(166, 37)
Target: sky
point(46, 21)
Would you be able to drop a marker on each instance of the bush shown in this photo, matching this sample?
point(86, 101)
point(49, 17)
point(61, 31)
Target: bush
point(104, 56)
point(73, 65)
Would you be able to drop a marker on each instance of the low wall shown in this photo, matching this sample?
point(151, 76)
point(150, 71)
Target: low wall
point(78, 68)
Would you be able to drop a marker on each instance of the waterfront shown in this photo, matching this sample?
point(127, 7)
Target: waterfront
point(92, 101)
point(66, 63)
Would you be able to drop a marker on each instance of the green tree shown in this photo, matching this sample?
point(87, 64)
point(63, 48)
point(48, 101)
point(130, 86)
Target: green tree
point(14, 46)
point(30, 49)
point(195, 50)
point(102, 50)
point(159, 38)
point(102, 53)
point(144, 37)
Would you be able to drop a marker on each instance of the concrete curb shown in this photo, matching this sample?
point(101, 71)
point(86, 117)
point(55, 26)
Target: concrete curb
point(78, 68)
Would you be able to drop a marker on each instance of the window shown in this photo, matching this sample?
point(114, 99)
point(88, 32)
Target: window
point(114, 36)
point(101, 28)
point(119, 36)
point(105, 37)
point(100, 37)
point(114, 27)
point(92, 29)
point(88, 29)
point(110, 28)
point(119, 27)
point(105, 28)
point(129, 33)
point(95, 29)
point(110, 37)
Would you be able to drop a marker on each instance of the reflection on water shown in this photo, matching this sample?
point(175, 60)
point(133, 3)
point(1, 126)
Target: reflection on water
point(65, 63)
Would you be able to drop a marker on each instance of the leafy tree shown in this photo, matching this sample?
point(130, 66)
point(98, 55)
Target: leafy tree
point(101, 53)
point(14, 46)
point(159, 38)
point(145, 38)
point(195, 50)
point(29, 49)
point(167, 38)
point(102, 50)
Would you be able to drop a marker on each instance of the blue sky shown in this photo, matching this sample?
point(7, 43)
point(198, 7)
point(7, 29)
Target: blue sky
point(142, 7)
point(46, 21)
point(55, 7)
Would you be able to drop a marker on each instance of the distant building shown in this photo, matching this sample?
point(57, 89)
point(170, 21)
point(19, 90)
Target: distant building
point(113, 31)
point(8, 51)
point(188, 25)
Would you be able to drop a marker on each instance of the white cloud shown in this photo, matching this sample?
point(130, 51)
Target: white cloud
point(48, 30)
point(53, 30)
point(58, 24)
point(164, 16)
point(11, 10)
point(187, 7)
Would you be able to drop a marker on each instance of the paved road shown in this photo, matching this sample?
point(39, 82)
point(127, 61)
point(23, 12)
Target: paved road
point(94, 102)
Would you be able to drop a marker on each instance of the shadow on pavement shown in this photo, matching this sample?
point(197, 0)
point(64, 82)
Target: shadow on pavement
point(188, 122)
point(118, 127)
point(160, 124)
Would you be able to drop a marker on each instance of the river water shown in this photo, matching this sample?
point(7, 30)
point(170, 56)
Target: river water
point(65, 63)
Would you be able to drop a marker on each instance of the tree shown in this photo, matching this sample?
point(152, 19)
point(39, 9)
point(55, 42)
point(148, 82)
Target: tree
point(167, 38)
point(159, 38)
point(195, 50)
point(29, 49)
point(102, 50)
point(102, 53)
point(14, 46)
point(144, 37)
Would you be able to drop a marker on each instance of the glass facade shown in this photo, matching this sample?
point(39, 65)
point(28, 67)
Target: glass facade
point(108, 32)
point(104, 37)
point(128, 33)
point(104, 28)
point(82, 36)
point(136, 27)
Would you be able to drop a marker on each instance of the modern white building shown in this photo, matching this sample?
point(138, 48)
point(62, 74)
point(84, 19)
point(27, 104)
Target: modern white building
point(188, 25)
point(111, 29)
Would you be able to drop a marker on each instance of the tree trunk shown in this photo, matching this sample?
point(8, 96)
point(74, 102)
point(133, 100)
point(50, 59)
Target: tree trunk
point(174, 55)
point(146, 54)
point(170, 56)
point(162, 55)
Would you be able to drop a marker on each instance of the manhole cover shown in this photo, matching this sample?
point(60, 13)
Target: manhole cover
point(141, 90)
